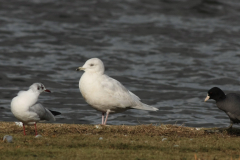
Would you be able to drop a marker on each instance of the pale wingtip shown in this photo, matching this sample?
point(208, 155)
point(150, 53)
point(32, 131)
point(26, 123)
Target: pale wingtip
point(146, 107)
point(152, 108)
point(155, 109)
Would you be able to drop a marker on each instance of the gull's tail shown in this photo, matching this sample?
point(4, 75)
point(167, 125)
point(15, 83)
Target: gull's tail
point(55, 113)
point(146, 107)
point(140, 105)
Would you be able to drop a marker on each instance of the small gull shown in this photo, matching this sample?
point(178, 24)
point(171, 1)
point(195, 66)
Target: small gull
point(104, 93)
point(26, 110)
point(229, 103)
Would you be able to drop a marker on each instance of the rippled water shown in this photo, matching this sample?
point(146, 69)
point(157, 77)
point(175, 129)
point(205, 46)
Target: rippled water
point(168, 52)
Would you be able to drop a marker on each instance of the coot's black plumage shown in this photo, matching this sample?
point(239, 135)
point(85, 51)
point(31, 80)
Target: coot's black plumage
point(229, 103)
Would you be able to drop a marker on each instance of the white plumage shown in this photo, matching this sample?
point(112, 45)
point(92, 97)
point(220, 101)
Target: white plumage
point(26, 110)
point(104, 93)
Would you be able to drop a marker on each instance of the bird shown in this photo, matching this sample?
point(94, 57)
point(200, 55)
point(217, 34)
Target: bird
point(26, 110)
point(229, 103)
point(104, 93)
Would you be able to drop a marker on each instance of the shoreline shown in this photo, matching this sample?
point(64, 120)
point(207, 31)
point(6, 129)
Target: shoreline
point(75, 141)
point(148, 129)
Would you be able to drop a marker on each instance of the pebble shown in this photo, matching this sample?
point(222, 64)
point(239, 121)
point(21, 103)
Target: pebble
point(98, 127)
point(164, 139)
point(38, 136)
point(100, 138)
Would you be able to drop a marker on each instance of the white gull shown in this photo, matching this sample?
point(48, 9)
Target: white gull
point(104, 93)
point(26, 110)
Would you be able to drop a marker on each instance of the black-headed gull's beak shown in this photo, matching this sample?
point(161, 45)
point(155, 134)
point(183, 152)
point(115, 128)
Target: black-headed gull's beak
point(46, 90)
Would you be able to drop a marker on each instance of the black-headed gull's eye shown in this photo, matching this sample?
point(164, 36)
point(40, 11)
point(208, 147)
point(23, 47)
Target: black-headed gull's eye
point(91, 64)
point(38, 88)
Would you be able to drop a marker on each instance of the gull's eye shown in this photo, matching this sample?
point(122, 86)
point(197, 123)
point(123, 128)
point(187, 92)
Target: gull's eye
point(91, 64)
point(42, 87)
point(38, 88)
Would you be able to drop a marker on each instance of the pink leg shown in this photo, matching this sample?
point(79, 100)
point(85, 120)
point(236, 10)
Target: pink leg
point(103, 117)
point(24, 130)
point(106, 118)
point(35, 129)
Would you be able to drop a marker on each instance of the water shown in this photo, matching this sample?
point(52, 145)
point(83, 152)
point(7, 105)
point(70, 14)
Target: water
point(168, 52)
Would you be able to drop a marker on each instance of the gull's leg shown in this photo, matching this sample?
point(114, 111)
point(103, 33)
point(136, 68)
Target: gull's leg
point(35, 129)
point(24, 130)
point(103, 117)
point(106, 117)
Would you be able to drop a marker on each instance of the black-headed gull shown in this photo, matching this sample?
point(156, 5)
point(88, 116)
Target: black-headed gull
point(26, 110)
point(104, 93)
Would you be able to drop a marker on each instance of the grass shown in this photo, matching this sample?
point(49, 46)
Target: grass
point(142, 142)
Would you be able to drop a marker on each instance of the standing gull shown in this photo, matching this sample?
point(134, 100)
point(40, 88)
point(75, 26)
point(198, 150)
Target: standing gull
point(229, 103)
point(26, 110)
point(104, 93)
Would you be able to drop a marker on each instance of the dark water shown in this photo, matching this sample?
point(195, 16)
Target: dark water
point(168, 52)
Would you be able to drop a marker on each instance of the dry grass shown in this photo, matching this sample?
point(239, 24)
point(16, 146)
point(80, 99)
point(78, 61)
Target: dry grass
point(72, 141)
point(62, 129)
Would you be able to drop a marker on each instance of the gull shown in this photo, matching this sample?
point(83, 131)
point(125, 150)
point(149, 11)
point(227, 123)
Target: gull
point(104, 93)
point(26, 110)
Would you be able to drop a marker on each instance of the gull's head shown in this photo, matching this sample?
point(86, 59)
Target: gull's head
point(38, 88)
point(215, 93)
point(93, 65)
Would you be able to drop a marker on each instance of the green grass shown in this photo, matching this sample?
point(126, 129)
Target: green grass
point(143, 142)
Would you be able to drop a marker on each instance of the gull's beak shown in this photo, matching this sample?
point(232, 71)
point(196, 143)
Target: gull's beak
point(80, 69)
point(46, 90)
point(207, 98)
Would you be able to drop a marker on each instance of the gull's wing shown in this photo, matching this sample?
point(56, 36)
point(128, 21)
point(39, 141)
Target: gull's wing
point(43, 113)
point(119, 94)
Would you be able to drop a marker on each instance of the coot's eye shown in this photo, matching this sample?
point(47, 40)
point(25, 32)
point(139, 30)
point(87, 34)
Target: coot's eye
point(91, 64)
